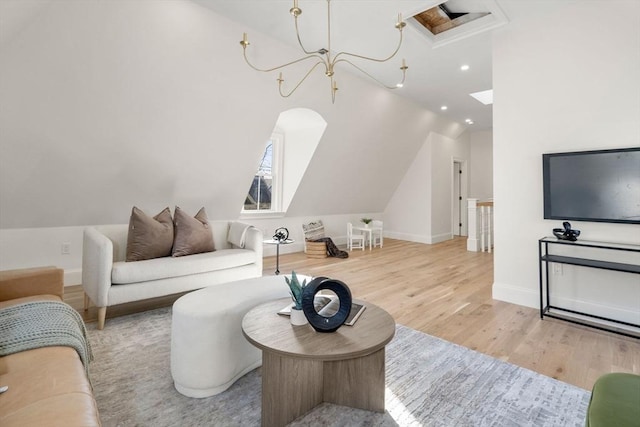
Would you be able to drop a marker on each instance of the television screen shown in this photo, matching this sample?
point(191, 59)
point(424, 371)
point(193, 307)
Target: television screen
point(599, 186)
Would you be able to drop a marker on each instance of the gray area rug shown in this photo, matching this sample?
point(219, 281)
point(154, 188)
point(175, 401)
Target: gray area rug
point(430, 382)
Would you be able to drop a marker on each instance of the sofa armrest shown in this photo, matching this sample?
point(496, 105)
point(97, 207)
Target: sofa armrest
point(97, 262)
point(27, 282)
point(253, 241)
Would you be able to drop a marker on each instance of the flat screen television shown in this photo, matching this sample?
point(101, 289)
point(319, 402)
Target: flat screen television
point(598, 186)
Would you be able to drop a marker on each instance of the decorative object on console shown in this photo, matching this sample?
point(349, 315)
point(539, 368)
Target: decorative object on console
point(366, 221)
point(149, 237)
point(321, 323)
point(296, 289)
point(566, 233)
point(281, 234)
point(324, 56)
point(192, 235)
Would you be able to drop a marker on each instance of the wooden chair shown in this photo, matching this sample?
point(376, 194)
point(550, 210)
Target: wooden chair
point(354, 241)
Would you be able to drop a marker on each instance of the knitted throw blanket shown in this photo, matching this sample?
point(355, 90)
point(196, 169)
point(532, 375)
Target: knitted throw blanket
point(332, 249)
point(43, 324)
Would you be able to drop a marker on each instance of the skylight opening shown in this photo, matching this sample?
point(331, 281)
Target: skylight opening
point(485, 96)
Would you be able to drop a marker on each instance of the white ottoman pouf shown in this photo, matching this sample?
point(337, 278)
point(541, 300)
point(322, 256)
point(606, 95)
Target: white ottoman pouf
point(208, 350)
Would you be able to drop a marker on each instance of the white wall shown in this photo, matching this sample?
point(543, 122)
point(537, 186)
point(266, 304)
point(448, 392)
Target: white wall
point(562, 82)
point(106, 105)
point(420, 209)
point(408, 214)
point(443, 153)
point(151, 104)
point(481, 165)
point(302, 129)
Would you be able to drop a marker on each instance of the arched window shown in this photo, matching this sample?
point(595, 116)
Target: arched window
point(284, 160)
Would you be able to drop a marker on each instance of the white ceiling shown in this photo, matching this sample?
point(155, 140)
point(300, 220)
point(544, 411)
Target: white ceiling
point(366, 27)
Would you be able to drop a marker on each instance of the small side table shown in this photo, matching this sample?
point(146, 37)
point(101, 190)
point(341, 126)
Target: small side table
point(278, 243)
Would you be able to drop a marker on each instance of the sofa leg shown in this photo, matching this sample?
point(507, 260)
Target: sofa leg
point(86, 301)
point(102, 314)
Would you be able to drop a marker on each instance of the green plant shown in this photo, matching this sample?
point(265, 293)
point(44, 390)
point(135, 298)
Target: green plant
point(366, 220)
point(295, 289)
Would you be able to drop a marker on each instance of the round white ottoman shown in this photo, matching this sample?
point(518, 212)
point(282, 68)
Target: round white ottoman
point(208, 350)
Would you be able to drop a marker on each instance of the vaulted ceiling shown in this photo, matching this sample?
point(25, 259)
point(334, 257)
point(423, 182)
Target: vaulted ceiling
point(434, 78)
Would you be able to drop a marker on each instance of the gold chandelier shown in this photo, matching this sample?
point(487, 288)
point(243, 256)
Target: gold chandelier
point(323, 56)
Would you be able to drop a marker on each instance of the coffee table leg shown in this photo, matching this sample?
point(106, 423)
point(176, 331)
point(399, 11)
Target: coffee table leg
point(290, 388)
point(358, 383)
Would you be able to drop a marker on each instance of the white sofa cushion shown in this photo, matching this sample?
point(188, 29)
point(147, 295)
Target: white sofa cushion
point(166, 267)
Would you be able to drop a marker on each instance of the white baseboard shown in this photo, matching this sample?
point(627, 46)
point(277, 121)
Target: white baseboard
point(441, 237)
point(531, 298)
point(270, 250)
point(516, 295)
point(419, 238)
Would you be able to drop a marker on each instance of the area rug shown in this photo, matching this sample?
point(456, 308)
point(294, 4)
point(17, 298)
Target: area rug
point(430, 382)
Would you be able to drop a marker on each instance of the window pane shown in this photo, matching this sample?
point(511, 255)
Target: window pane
point(259, 196)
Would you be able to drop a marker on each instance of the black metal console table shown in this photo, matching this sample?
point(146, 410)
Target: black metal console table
point(545, 257)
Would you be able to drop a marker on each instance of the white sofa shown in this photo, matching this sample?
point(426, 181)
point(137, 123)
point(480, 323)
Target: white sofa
point(108, 280)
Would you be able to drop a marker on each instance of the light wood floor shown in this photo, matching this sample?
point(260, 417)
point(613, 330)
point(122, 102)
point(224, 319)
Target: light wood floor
point(445, 291)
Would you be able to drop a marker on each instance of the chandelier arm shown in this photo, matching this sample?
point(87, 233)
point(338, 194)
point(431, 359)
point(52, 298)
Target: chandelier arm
point(266, 70)
point(397, 86)
point(335, 58)
point(300, 82)
point(300, 41)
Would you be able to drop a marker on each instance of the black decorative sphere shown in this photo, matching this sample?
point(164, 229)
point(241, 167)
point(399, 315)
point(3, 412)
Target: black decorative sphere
point(321, 323)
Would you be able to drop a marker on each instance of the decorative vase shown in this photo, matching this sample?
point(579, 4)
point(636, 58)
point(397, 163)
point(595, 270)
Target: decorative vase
point(297, 317)
point(366, 225)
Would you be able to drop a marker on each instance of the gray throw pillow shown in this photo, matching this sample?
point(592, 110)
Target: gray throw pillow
point(149, 237)
point(192, 235)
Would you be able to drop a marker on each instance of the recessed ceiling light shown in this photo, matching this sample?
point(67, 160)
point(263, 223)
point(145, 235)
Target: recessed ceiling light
point(464, 67)
point(444, 107)
point(399, 85)
point(469, 121)
point(485, 96)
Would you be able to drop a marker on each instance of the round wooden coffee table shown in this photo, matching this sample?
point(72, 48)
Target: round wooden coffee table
point(302, 368)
